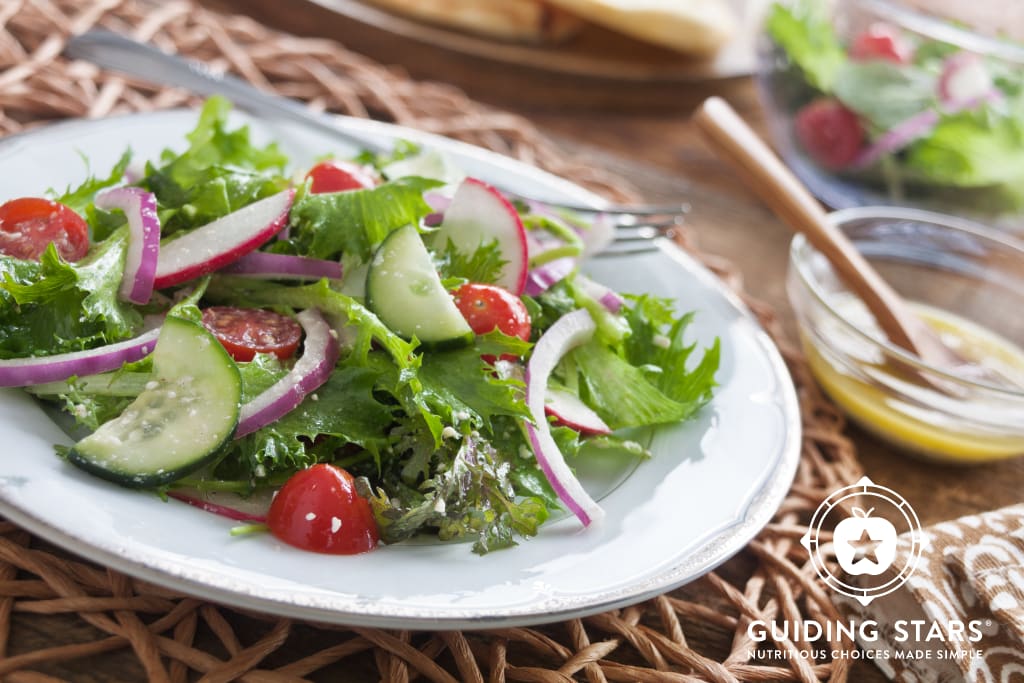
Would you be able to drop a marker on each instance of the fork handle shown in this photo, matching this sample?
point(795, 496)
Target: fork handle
point(729, 136)
point(119, 53)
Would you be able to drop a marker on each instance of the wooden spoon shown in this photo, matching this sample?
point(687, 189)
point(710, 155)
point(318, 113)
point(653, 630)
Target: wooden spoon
point(733, 140)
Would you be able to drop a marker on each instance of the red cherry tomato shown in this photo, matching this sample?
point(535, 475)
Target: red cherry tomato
point(487, 308)
point(318, 509)
point(338, 176)
point(244, 332)
point(883, 42)
point(830, 133)
point(29, 224)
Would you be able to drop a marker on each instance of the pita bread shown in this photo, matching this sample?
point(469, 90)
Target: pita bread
point(698, 27)
point(527, 21)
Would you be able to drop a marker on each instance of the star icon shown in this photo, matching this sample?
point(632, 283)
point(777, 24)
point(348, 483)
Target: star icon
point(866, 547)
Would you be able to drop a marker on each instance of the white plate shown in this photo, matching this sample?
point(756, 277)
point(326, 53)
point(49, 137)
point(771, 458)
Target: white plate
point(712, 484)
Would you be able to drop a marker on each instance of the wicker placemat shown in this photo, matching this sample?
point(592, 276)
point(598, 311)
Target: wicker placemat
point(91, 614)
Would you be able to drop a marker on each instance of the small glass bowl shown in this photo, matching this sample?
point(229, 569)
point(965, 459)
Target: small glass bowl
point(957, 275)
point(897, 161)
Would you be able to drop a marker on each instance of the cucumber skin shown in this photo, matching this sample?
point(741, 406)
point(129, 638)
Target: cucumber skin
point(79, 457)
point(137, 480)
point(134, 480)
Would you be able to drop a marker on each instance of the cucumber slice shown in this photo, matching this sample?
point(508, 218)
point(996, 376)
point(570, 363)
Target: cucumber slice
point(404, 290)
point(178, 423)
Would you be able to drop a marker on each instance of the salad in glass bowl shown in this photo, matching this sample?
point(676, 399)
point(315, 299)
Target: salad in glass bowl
point(368, 350)
point(871, 102)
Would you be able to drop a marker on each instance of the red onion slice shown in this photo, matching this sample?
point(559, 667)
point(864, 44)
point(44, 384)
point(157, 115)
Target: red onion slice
point(319, 357)
point(568, 332)
point(543, 278)
point(608, 298)
point(141, 259)
point(21, 372)
point(901, 135)
point(284, 267)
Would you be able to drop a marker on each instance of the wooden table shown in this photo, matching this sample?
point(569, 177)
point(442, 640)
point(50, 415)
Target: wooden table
point(642, 132)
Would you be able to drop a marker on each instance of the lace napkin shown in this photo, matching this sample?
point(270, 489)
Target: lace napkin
point(960, 616)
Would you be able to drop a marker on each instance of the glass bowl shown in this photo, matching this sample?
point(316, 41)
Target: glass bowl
point(964, 279)
point(877, 102)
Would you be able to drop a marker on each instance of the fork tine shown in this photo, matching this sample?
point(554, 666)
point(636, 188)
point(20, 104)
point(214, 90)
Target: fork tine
point(642, 232)
point(614, 209)
point(627, 248)
point(645, 209)
point(626, 222)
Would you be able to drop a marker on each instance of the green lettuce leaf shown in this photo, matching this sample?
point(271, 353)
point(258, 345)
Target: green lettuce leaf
point(657, 342)
point(621, 393)
point(470, 496)
point(51, 306)
point(805, 34)
point(406, 387)
point(80, 198)
point(973, 149)
point(483, 265)
point(648, 381)
point(354, 223)
point(341, 412)
point(220, 172)
point(460, 383)
point(885, 94)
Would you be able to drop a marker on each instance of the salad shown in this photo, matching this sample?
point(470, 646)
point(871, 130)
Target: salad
point(910, 115)
point(367, 350)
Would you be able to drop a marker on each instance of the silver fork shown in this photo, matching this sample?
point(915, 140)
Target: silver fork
point(634, 227)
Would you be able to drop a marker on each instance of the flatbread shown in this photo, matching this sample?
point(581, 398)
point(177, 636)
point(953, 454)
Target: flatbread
point(698, 27)
point(525, 21)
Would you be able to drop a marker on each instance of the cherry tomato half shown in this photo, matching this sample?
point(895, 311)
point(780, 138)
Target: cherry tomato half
point(29, 224)
point(244, 332)
point(883, 42)
point(487, 308)
point(830, 133)
point(318, 509)
point(338, 176)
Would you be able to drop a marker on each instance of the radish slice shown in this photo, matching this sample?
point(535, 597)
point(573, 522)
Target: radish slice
point(224, 241)
point(543, 278)
point(964, 79)
point(479, 214)
point(216, 508)
point(608, 298)
point(284, 267)
point(319, 357)
point(567, 408)
point(568, 332)
point(21, 372)
point(140, 261)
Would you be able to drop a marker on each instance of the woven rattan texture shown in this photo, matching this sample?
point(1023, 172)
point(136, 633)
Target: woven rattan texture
point(88, 613)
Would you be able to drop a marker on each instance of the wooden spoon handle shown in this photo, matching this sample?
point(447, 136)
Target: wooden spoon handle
point(733, 140)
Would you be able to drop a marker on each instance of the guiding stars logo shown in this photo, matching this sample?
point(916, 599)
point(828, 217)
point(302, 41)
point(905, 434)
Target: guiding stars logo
point(865, 543)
